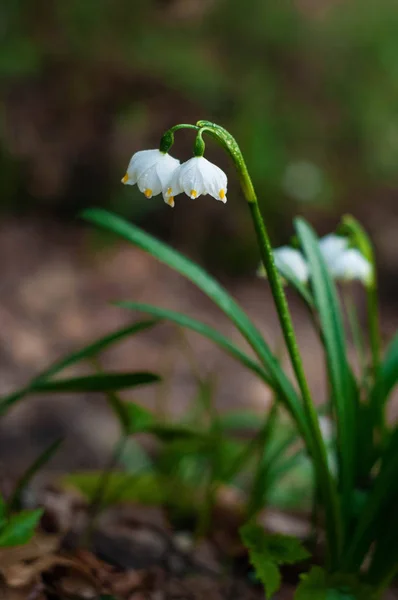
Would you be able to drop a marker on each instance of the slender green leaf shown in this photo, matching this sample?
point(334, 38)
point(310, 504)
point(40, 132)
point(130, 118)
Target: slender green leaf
point(344, 393)
point(87, 352)
point(201, 328)
point(240, 420)
point(288, 274)
point(3, 511)
point(20, 528)
point(15, 501)
point(388, 374)
point(96, 383)
point(382, 502)
point(217, 293)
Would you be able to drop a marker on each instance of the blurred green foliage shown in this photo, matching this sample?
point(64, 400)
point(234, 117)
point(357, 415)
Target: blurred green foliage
point(308, 88)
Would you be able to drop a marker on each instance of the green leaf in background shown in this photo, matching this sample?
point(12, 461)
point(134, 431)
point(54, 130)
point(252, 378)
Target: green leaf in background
point(19, 528)
point(96, 383)
point(205, 330)
point(138, 418)
point(147, 489)
point(319, 585)
point(282, 549)
point(92, 350)
point(217, 293)
point(15, 501)
point(239, 420)
point(388, 374)
point(3, 511)
point(267, 551)
point(267, 572)
point(344, 392)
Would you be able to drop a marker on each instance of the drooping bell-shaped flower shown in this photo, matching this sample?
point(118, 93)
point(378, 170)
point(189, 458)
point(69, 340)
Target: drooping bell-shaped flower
point(152, 171)
point(351, 265)
point(331, 246)
point(290, 259)
point(197, 177)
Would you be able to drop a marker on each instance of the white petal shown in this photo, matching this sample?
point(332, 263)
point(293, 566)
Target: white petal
point(191, 177)
point(350, 265)
point(151, 170)
point(140, 161)
point(331, 247)
point(173, 187)
point(291, 260)
point(215, 180)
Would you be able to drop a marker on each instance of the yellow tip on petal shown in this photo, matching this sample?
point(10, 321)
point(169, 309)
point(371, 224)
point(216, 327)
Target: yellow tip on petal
point(193, 194)
point(125, 178)
point(148, 193)
point(170, 201)
point(169, 191)
point(222, 194)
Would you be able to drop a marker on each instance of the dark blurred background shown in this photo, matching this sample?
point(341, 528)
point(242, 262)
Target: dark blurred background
point(308, 87)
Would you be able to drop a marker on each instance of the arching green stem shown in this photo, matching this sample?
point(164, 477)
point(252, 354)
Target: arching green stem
point(315, 444)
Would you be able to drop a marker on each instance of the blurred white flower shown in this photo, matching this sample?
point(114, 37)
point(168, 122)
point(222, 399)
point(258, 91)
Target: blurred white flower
point(331, 247)
point(197, 177)
point(152, 171)
point(351, 265)
point(289, 259)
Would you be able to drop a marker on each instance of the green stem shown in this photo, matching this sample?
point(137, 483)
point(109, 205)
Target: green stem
point(98, 497)
point(373, 323)
point(315, 445)
point(183, 126)
point(356, 333)
point(317, 448)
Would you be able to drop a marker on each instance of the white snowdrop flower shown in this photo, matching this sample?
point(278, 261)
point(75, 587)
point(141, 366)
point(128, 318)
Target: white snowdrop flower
point(331, 246)
point(197, 177)
point(289, 259)
point(352, 265)
point(152, 171)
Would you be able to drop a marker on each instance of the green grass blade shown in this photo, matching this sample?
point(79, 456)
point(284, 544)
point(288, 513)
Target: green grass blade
point(216, 292)
point(14, 502)
point(87, 352)
point(344, 393)
point(103, 382)
point(376, 510)
point(205, 330)
point(288, 274)
point(388, 374)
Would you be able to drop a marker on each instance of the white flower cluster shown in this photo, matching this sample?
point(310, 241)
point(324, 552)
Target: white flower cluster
point(344, 263)
point(157, 172)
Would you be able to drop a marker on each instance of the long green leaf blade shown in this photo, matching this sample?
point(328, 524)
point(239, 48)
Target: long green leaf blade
point(341, 380)
point(216, 292)
point(15, 501)
point(205, 330)
point(388, 375)
point(89, 351)
point(107, 382)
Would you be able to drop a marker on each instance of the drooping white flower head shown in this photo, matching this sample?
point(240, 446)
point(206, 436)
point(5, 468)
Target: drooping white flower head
point(290, 259)
point(351, 265)
point(152, 171)
point(331, 246)
point(196, 177)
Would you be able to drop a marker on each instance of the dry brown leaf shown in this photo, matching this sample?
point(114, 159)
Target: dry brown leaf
point(40, 545)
